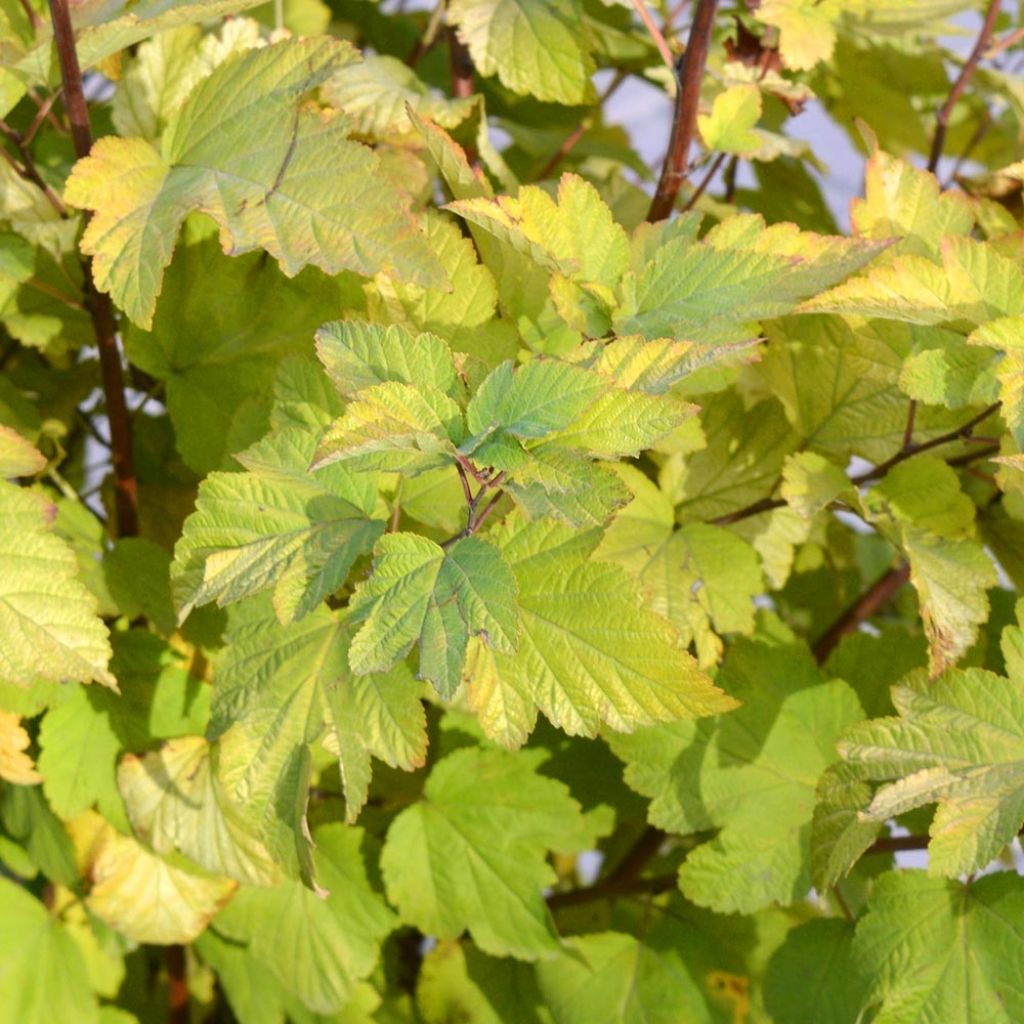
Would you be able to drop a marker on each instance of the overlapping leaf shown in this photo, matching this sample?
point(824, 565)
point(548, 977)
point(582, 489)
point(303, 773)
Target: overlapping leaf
point(275, 527)
point(246, 151)
point(419, 593)
point(589, 650)
point(49, 628)
point(752, 776)
point(471, 853)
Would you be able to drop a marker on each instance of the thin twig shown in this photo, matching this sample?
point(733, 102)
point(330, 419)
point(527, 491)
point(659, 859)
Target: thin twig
point(429, 37)
point(908, 430)
point(660, 43)
point(966, 73)
point(874, 598)
point(177, 985)
point(579, 131)
point(101, 311)
point(961, 433)
point(27, 168)
point(896, 844)
point(623, 880)
point(1000, 45)
point(689, 72)
point(705, 181)
point(33, 15)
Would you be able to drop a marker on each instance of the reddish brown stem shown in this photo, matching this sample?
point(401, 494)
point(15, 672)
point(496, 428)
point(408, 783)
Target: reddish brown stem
point(689, 75)
point(32, 14)
point(177, 985)
point(100, 309)
point(966, 74)
point(624, 880)
point(569, 144)
point(896, 844)
point(875, 597)
point(461, 65)
point(705, 181)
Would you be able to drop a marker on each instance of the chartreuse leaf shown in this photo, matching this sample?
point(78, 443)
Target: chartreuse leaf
point(44, 977)
point(275, 527)
point(419, 593)
point(175, 801)
point(810, 483)
point(560, 483)
point(17, 455)
point(975, 282)
point(1007, 333)
point(740, 272)
point(900, 201)
point(573, 236)
point(614, 978)
point(49, 628)
point(752, 775)
point(589, 650)
point(813, 975)
point(377, 92)
point(958, 742)
point(277, 685)
point(394, 427)
point(221, 331)
point(734, 113)
point(536, 47)
point(16, 765)
point(103, 29)
point(461, 312)
point(938, 950)
point(471, 853)
point(317, 947)
point(807, 30)
point(245, 150)
point(359, 355)
point(920, 505)
point(144, 897)
point(702, 578)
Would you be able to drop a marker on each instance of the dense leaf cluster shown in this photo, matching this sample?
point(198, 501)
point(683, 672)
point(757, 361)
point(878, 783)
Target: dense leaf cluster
point(433, 589)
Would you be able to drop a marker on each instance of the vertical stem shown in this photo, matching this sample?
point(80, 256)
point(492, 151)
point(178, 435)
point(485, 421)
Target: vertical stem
point(100, 309)
point(689, 74)
point(461, 65)
point(966, 73)
point(177, 985)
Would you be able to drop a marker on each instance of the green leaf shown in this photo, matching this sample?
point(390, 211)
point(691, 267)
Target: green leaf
point(813, 976)
point(144, 897)
point(17, 456)
point(752, 777)
point(175, 801)
point(420, 593)
point(244, 150)
point(471, 854)
point(959, 962)
point(275, 527)
point(358, 355)
point(958, 742)
point(105, 28)
point(740, 272)
point(219, 333)
point(702, 578)
point(316, 947)
point(44, 977)
point(728, 127)
point(589, 650)
point(540, 398)
point(536, 47)
point(49, 628)
point(807, 30)
point(612, 978)
point(903, 202)
point(394, 427)
point(810, 483)
point(921, 505)
point(377, 92)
